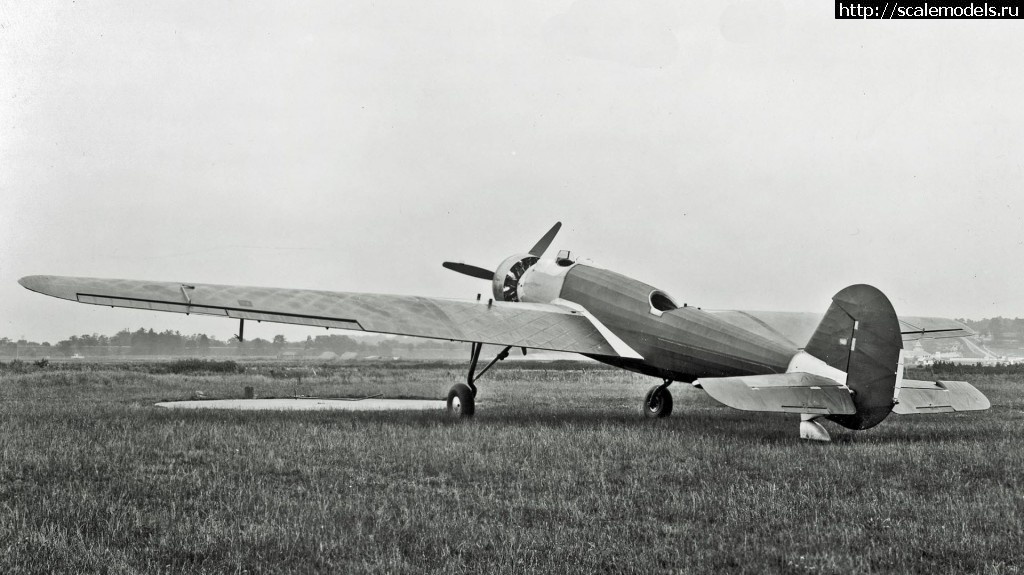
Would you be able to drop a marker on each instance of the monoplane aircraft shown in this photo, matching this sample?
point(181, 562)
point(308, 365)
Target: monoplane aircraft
point(845, 366)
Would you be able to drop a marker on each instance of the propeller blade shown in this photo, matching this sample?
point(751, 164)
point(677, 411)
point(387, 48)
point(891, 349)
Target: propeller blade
point(542, 246)
point(469, 270)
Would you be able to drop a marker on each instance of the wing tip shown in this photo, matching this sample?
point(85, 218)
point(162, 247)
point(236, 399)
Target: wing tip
point(34, 283)
point(49, 285)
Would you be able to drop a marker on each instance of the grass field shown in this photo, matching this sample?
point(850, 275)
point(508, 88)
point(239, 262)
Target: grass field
point(557, 473)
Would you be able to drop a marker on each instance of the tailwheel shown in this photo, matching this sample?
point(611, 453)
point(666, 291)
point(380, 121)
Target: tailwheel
point(657, 402)
point(461, 402)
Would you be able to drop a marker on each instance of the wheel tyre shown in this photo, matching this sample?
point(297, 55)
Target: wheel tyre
point(657, 402)
point(460, 401)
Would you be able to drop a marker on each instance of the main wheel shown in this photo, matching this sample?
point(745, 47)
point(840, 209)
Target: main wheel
point(460, 401)
point(657, 402)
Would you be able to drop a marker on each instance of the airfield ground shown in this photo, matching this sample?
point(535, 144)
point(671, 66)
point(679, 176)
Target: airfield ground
point(556, 474)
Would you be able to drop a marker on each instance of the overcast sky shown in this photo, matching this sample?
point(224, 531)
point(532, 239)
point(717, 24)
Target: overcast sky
point(750, 155)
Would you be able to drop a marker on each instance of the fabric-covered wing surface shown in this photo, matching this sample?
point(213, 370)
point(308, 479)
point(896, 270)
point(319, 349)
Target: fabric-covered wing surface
point(795, 328)
point(521, 325)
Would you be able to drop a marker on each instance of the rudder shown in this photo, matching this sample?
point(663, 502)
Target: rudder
point(860, 335)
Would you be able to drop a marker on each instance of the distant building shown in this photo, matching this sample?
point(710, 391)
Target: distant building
point(980, 360)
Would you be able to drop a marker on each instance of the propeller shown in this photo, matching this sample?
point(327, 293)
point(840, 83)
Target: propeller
point(482, 273)
point(542, 245)
point(469, 270)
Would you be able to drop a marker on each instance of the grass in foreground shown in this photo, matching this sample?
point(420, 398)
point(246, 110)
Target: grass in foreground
point(556, 474)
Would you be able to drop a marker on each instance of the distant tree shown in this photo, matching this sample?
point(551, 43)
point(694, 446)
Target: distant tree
point(259, 346)
point(982, 328)
point(1017, 328)
point(64, 347)
point(996, 328)
point(122, 338)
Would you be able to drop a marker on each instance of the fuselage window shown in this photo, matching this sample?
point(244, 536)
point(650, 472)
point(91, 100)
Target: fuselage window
point(661, 302)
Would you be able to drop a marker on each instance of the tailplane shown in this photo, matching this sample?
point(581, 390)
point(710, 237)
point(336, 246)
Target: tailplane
point(846, 373)
point(850, 371)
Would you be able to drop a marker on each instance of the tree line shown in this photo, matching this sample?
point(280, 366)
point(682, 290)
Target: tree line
point(999, 329)
point(148, 342)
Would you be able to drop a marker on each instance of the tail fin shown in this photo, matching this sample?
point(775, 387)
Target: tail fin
point(860, 335)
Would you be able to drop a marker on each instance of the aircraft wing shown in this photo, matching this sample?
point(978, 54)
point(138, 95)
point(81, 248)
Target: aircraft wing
point(796, 328)
point(538, 326)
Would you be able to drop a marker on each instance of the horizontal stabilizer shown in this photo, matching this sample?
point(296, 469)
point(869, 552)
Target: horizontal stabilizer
point(915, 328)
point(795, 328)
point(939, 397)
point(783, 392)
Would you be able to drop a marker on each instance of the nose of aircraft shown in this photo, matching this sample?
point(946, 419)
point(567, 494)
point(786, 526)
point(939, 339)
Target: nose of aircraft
point(537, 251)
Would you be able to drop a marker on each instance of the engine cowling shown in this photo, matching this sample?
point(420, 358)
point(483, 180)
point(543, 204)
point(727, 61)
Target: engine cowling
point(509, 275)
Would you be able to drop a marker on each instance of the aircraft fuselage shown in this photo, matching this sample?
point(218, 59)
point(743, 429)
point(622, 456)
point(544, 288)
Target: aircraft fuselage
point(681, 344)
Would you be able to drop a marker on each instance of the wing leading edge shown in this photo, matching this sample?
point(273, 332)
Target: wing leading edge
point(536, 326)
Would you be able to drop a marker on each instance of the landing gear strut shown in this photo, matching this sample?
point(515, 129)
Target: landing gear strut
point(658, 401)
point(462, 396)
